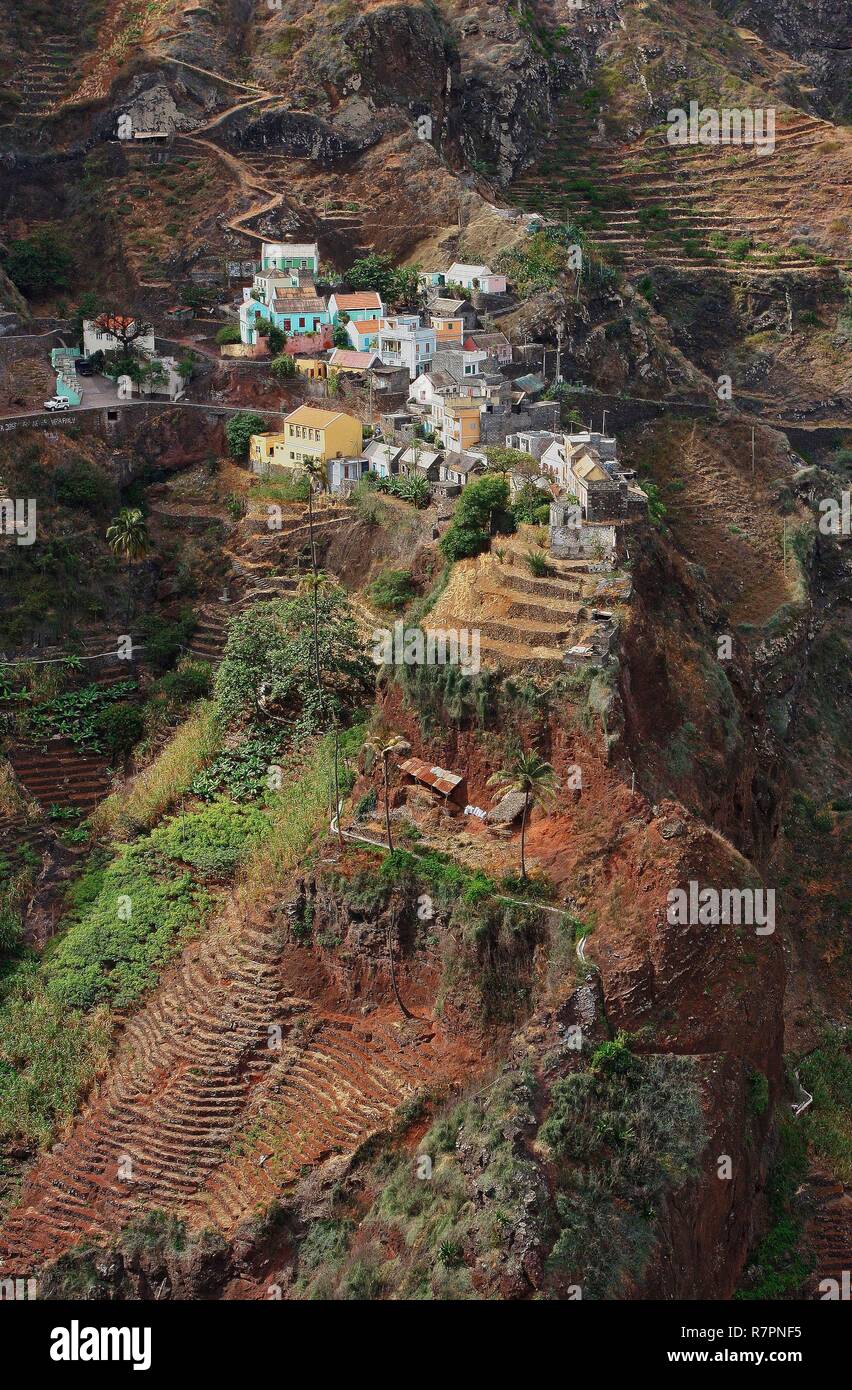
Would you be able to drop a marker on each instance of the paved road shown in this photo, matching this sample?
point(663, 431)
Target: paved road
point(113, 403)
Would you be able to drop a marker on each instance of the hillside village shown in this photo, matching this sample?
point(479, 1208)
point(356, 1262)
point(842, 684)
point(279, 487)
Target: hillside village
point(414, 579)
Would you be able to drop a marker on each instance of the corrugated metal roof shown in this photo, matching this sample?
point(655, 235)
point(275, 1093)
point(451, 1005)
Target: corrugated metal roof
point(437, 777)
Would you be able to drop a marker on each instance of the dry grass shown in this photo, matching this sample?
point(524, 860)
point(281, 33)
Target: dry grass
point(153, 791)
point(12, 802)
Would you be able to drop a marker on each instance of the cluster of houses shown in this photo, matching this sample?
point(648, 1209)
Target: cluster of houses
point(284, 295)
point(580, 469)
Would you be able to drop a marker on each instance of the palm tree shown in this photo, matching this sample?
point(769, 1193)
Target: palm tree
point(128, 536)
point(535, 779)
point(317, 584)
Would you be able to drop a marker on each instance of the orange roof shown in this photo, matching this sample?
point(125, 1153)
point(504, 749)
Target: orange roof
point(365, 299)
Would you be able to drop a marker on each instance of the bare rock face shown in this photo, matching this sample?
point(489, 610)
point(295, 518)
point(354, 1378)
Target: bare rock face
point(818, 32)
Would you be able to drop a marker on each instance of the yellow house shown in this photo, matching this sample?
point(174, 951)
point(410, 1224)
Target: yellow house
point(314, 368)
point(459, 424)
point(310, 433)
point(266, 451)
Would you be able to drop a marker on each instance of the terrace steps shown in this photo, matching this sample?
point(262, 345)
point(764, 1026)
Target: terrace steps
point(57, 773)
point(607, 189)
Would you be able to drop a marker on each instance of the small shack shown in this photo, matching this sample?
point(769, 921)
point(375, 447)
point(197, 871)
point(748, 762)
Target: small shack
point(448, 785)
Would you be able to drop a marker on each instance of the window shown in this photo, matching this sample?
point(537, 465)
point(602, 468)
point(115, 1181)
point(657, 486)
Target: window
point(301, 323)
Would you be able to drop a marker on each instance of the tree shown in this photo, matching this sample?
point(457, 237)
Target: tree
point(125, 329)
point(276, 340)
point(88, 308)
point(470, 530)
point(229, 334)
point(283, 367)
point(373, 272)
point(268, 672)
point(128, 536)
point(118, 728)
point(39, 265)
point(535, 779)
point(239, 430)
point(396, 284)
point(502, 459)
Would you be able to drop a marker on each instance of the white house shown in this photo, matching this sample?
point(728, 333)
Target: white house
point(475, 277)
point(98, 337)
point(404, 342)
point(429, 385)
point(382, 458)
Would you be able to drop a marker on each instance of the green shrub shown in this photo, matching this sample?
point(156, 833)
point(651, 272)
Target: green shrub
point(193, 680)
point(239, 430)
point(144, 910)
point(212, 840)
point(481, 502)
point(118, 728)
point(392, 589)
point(77, 483)
point(229, 334)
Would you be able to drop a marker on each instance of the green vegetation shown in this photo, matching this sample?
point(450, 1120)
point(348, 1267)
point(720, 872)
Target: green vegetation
point(269, 668)
point(79, 715)
point(39, 265)
point(620, 1136)
point(141, 914)
point(160, 785)
point(229, 334)
point(827, 1074)
point(534, 779)
point(413, 489)
point(482, 507)
point(392, 589)
point(397, 285)
point(622, 1133)
point(775, 1268)
point(239, 430)
point(283, 367)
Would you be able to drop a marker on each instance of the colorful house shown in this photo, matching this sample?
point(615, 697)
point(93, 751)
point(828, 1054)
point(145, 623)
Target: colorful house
point(363, 334)
point(287, 301)
point(267, 451)
point(311, 433)
point(290, 255)
point(405, 342)
point(314, 368)
point(358, 307)
point(449, 328)
point(456, 421)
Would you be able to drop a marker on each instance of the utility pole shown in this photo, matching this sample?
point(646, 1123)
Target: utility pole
point(603, 423)
point(558, 355)
point(752, 450)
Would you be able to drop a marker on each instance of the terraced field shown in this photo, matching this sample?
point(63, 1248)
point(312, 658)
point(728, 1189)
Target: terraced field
point(734, 210)
point(522, 617)
point(193, 1069)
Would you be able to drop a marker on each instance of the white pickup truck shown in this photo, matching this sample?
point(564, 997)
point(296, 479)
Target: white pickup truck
point(57, 403)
